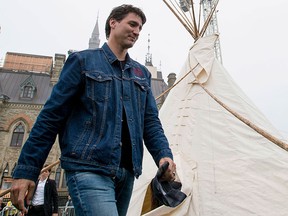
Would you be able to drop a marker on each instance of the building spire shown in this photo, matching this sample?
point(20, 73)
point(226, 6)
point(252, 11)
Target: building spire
point(94, 41)
point(148, 58)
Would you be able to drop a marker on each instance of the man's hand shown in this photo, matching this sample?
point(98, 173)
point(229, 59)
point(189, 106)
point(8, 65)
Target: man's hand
point(22, 191)
point(170, 173)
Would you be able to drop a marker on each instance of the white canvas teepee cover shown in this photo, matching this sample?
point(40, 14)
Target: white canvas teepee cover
point(226, 168)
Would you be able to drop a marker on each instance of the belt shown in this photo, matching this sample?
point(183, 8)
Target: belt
point(37, 207)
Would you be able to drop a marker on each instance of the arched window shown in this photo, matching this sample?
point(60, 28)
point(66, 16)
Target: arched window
point(64, 185)
point(18, 135)
point(58, 176)
point(28, 91)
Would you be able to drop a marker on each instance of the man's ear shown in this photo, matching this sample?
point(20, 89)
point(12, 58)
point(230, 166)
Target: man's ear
point(112, 23)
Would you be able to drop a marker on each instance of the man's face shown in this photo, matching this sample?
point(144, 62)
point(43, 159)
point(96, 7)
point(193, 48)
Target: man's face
point(45, 174)
point(126, 32)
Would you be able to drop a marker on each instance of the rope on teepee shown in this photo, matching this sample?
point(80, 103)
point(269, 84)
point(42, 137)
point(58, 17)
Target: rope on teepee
point(167, 90)
point(259, 130)
point(246, 121)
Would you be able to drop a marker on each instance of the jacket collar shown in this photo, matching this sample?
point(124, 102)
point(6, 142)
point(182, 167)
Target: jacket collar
point(111, 56)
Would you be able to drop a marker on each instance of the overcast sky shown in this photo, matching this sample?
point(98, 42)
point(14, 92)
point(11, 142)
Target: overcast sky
point(253, 39)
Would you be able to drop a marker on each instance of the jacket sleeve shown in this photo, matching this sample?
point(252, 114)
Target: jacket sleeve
point(154, 137)
point(50, 121)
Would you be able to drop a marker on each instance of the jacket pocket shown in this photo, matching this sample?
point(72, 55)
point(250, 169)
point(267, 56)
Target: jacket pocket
point(142, 89)
point(98, 85)
point(142, 86)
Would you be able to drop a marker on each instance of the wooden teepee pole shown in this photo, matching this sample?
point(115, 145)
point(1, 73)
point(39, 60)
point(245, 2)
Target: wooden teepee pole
point(5, 192)
point(259, 130)
point(43, 170)
point(167, 90)
point(191, 32)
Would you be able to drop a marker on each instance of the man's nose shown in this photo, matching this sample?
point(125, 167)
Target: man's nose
point(136, 31)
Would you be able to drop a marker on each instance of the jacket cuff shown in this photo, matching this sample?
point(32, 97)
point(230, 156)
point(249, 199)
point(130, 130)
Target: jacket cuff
point(26, 172)
point(164, 153)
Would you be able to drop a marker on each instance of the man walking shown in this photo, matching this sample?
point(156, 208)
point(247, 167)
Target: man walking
point(102, 108)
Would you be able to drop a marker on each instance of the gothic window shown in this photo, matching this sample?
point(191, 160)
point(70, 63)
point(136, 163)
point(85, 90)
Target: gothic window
point(58, 176)
point(64, 185)
point(28, 89)
point(18, 135)
point(27, 92)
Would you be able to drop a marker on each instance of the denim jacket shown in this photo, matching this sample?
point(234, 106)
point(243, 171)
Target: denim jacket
point(85, 110)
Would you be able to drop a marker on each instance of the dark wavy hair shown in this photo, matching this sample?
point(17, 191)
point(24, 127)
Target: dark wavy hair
point(120, 12)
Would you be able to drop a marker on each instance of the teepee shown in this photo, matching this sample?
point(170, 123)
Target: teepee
point(230, 160)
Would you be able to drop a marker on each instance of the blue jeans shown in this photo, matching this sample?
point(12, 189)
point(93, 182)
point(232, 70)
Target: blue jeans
point(100, 195)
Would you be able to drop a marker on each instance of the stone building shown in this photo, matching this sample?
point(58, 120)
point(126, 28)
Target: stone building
point(26, 82)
